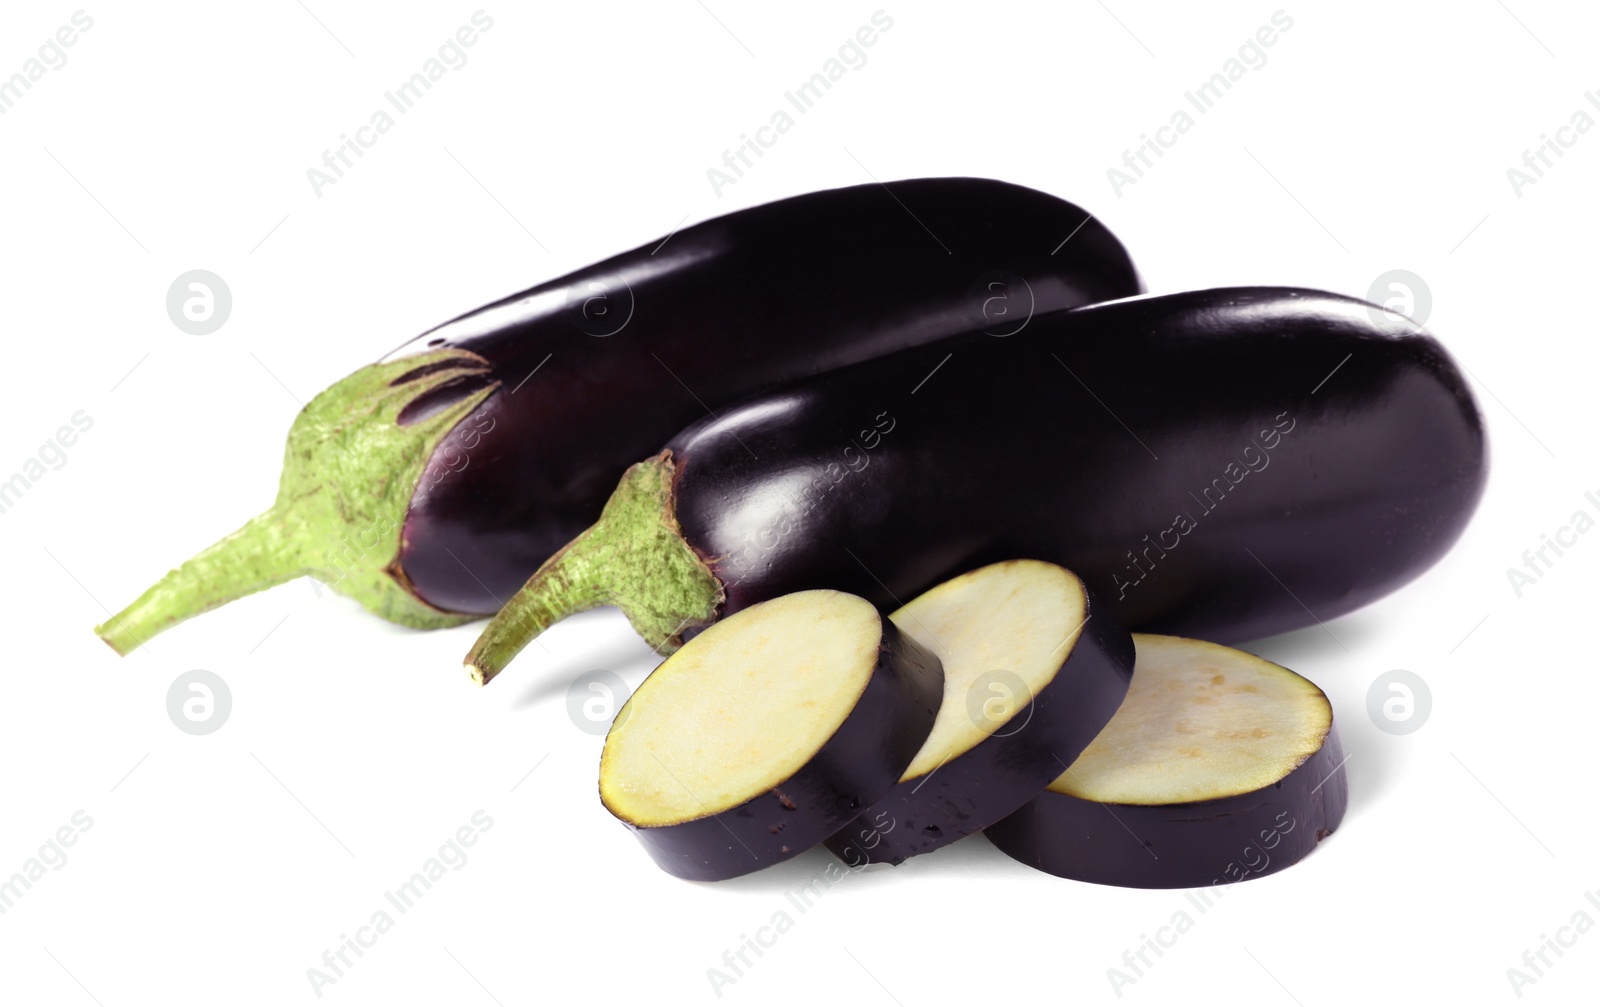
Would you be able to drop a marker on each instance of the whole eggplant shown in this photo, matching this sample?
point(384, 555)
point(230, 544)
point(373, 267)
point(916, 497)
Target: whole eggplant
point(430, 486)
point(1223, 464)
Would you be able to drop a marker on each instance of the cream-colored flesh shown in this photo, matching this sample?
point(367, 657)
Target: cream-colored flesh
point(740, 709)
point(1002, 632)
point(1201, 721)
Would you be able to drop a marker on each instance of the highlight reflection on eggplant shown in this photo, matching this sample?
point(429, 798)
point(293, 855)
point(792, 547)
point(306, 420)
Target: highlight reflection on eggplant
point(432, 484)
point(1030, 678)
point(765, 734)
point(1219, 767)
point(1219, 464)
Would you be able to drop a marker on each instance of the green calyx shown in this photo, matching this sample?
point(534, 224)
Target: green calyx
point(634, 557)
point(349, 473)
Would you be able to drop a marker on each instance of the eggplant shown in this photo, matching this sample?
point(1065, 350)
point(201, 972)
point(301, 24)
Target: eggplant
point(1219, 767)
point(430, 485)
point(1224, 464)
point(1030, 678)
point(765, 734)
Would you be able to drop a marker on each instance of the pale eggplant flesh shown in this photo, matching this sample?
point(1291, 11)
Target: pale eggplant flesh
point(1033, 671)
point(1220, 767)
point(767, 733)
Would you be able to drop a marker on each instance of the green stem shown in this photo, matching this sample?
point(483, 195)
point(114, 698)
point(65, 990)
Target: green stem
point(350, 470)
point(259, 555)
point(634, 557)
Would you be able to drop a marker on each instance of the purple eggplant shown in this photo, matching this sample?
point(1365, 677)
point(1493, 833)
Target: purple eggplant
point(1225, 464)
point(430, 485)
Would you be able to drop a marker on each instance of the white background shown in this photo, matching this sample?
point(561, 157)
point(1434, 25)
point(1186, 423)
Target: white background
point(219, 868)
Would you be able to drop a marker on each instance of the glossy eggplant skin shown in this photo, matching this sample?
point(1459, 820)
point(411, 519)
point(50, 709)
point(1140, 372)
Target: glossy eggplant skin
point(594, 370)
point(1003, 772)
point(1193, 845)
point(858, 764)
point(1223, 464)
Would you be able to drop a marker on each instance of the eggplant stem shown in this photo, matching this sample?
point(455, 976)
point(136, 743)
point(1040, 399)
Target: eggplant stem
point(350, 472)
point(262, 554)
point(634, 557)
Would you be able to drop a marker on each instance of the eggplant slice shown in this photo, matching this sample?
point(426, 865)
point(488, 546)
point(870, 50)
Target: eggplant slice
point(1219, 767)
point(767, 732)
point(1030, 678)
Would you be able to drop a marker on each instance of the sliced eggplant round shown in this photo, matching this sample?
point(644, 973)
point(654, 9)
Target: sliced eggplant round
point(1219, 767)
point(767, 732)
point(1030, 678)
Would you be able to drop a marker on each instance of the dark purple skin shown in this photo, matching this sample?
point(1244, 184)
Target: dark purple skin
point(887, 477)
point(1004, 771)
point(597, 368)
point(859, 763)
point(1192, 845)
